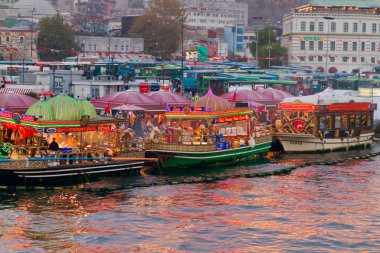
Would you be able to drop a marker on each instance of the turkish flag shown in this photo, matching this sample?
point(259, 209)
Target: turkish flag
point(298, 125)
point(107, 109)
point(234, 97)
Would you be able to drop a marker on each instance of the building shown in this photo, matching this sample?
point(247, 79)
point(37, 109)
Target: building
point(108, 44)
point(334, 35)
point(217, 10)
point(15, 43)
point(234, 36)
point(208, 19)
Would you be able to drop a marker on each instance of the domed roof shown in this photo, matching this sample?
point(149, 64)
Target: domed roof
point(212, 103)
point(88, 109)
point(165, 97)
point(66, 108)
point(122, 98)
point(41, 108)
point(16, 102)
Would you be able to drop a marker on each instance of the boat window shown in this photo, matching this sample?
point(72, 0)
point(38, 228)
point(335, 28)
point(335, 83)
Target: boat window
point(364, 121)
point(352, 121)
point(329, 122)
point(345, 121)
point(357, 121)
point(322, 122)
point(338, 121)
point(369, 121)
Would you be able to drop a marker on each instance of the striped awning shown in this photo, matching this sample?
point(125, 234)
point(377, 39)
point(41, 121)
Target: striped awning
point(16, 90)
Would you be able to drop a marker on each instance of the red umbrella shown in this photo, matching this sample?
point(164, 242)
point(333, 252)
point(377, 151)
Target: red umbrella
point(16, 102)
point(47, 94)
point(164, 97)
point(244, 96)
point(122, 98)
point(274, 95)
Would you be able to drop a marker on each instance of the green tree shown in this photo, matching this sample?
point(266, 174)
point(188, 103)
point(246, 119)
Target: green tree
point(277, 52)
point(161, 27)
point(55, 34)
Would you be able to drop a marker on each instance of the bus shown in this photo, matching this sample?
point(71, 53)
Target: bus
point(192, 79)
point(347, 83)
point(11, 73)
point(223, 84)
point(171, 71)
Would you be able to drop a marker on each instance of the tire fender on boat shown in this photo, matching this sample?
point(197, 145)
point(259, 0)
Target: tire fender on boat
point(252, 142)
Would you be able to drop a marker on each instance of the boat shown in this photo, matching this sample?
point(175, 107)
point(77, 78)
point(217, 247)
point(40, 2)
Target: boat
point(209, 132)
point(326, 121)
point(87, 145)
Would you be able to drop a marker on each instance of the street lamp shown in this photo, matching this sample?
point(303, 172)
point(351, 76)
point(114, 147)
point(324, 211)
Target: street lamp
point(182, 19)
point(269, 43)
point(257, 42)
point(327, 41)
point(31, 34)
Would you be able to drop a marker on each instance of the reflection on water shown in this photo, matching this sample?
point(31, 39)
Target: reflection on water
point(314, 209)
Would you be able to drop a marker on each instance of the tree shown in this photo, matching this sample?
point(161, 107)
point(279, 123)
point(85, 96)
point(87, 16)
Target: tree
point(277, 52)
point(161, 27)
point(55, 34)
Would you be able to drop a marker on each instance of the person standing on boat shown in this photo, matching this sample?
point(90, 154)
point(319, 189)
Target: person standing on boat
point(53, 145)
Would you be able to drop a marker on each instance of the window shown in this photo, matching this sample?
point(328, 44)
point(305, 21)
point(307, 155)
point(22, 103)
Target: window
point(364, 27)
point(320, 58)
point(332, 45)
point(320, 45)
point(363, 46)
point(345, 46)
point(345, 121)
point(354, 46)
point(312, 26)
point(333, 27)
point(374, 28)
point(345, 59)
point(372, 59)
point(352, 121)
point(21, 39)
point(355, 27)
point(338, 122)
point(7, 39)
point(302, 45)
point(332, 59)
point(303, 26)
point(357, 121)
point(311, 58)
point(353, 59)
point(362, 59)
point(373, 46)
point(302, 58)
point(345, 27)
point(58, 82)
point(320, 26)
point(311, 45)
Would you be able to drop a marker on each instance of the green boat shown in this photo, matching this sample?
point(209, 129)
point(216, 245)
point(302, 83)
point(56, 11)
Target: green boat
point(193, 155)
point(209, 132)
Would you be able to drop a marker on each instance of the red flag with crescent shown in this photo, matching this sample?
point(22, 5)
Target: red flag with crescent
point(298, 125)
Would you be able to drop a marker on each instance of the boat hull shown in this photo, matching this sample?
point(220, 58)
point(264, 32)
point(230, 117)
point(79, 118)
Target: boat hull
point(27, 175)
point(300, 143)
point(171, 159)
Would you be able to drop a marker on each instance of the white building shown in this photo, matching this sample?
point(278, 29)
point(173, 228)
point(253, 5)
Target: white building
point(120, 45)
point(227, 9)
point(208, 19)
point(334, 35)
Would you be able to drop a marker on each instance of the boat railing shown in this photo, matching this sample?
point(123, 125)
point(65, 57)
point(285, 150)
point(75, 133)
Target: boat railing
point(191, 147)
point(49, 161)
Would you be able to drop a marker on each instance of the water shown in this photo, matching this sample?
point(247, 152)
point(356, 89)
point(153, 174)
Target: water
point(314, 209)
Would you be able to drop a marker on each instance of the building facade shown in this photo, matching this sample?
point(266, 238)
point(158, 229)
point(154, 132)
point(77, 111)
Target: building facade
point(107, 44)
point(15, 43)
point(234, 36)
point(334, 36)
